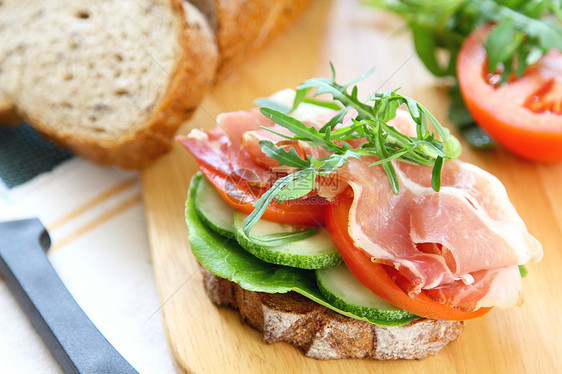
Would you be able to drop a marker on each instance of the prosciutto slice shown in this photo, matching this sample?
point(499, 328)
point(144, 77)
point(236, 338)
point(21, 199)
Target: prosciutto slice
point(221, 148)
point(464, 240)
point(232, 147)
point(460, 246)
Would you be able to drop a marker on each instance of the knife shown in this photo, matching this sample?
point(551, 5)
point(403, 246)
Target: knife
point(72, 338)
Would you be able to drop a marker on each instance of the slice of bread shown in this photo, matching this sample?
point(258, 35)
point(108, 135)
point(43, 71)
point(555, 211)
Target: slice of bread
point(109, 80)
point(14, 18)
point(243, 27)
point(323, 334)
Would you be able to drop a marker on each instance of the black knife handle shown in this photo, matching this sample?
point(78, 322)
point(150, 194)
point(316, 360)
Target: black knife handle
point(69, 334)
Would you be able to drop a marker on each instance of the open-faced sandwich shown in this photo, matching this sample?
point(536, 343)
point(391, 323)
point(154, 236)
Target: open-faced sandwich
point(346, 228)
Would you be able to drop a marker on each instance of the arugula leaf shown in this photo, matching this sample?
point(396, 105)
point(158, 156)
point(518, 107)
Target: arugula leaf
point(282, 238)
point(339, 93)
point(263, 202)
point(301, 131)
point(436, 174)
point(298, 187)
point(425, 48)
point(328, 164)
point(501, 44)
point(325, 104)
point(523, 271)
point(300, 95)
point(288, 158)
point(370, 124)
point(265, 102)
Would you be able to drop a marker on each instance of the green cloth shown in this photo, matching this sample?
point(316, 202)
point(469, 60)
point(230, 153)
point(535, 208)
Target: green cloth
point(25, 154)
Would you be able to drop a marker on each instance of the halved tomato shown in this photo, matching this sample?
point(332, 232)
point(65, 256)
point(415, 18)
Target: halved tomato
point(525, 114)
point(241, 195)
point(377, 277)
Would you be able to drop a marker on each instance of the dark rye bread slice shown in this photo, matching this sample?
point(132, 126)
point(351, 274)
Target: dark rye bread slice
point(111, 80)
point(323, 334)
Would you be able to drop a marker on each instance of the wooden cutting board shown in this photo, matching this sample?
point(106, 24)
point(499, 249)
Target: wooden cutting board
point(207, 339)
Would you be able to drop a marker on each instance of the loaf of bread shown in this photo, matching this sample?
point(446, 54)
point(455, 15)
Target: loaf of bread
point(243, 27)
point(109, 80)
point(323, 334)
point(113, 80)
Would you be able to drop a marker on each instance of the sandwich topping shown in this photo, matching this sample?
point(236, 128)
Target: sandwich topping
point(464, 240)
point(434, 236)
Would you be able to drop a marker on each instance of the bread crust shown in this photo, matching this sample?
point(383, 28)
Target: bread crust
point(323, 334)
point(245, 26)
point(8, 114)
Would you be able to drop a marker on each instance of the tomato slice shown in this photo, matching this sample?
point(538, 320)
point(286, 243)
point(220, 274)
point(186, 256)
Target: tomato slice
point(525, 114)
point(241, 196)
point(376, 277)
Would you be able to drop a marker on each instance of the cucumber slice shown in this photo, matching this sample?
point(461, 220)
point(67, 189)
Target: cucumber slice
point(345, 292)
point(212, 209)
point(283, 245)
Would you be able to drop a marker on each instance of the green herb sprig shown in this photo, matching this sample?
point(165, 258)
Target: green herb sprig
point(369, 123)
point(523, 31)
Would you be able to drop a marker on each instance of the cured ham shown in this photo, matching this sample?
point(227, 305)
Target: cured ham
point(233, 146)
point(221, 149)
point(467, 236)
point(460, 246)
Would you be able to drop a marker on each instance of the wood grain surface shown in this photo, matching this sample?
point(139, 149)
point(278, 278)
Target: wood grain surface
point(207, 339)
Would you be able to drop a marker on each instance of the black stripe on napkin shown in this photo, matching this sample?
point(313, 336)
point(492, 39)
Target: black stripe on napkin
point(24, 154)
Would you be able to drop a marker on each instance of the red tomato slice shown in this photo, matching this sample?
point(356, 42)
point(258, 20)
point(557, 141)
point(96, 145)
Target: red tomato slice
point(376, 277)
point(525, 114)
point(241, 196)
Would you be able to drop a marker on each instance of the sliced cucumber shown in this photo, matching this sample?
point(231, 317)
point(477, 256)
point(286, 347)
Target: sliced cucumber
point(283, 245)
point(345, 292)
point(213, 210)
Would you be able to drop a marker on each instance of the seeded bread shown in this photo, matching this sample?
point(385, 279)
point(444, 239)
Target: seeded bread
point(109, 80)
point(243, 27)
point(14, 19)
point(323, 334)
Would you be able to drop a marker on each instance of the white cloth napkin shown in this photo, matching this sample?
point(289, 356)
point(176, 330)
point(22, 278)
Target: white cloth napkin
point(100, 250)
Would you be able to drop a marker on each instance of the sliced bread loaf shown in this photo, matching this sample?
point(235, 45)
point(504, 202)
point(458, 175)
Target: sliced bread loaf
point(113, 80)
point(323, 334)
point(110, 80)
point(243, 27)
